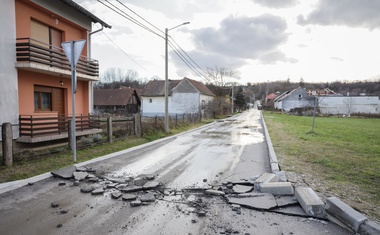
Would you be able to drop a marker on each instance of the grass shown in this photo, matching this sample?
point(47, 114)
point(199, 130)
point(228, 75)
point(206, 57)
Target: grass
point(46, 161)
point(343, 153)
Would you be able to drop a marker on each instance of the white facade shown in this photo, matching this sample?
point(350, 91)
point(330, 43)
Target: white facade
point(347, 105)
point(8, 72)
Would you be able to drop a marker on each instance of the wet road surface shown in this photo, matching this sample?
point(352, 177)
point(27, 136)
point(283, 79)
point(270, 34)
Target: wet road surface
point(184, 165)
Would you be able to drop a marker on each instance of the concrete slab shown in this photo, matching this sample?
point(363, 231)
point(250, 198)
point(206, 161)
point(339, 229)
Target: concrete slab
point(341, 213)
point(151, 184)
point(148, 197)
point(261, 201)
point(130, 189)
point(310, 202)
point(277, 188)
point(265, 178)
point(64, 173)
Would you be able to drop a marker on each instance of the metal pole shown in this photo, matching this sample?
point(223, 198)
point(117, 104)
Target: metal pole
point(166, 83)
point(73, 90)
point(232, 100)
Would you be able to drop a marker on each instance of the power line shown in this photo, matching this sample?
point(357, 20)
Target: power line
point(124, 52)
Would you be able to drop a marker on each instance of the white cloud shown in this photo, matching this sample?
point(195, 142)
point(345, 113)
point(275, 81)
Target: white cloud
point(276, 3)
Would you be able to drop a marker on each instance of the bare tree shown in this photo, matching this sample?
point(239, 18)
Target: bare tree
point(349, 103)
point(220, 76)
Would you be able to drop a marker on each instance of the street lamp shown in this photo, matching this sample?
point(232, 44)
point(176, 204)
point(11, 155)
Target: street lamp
point(166, 77)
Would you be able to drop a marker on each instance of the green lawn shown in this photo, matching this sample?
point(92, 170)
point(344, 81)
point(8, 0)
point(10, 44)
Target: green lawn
point(340, 151)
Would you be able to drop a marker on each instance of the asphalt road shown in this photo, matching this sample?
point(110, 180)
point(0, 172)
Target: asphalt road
point(184, 165)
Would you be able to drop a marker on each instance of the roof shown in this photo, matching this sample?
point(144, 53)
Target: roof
point(157, 87)
point(114, 96)
point(271, 96)
point(200, 87)
point(85, 12)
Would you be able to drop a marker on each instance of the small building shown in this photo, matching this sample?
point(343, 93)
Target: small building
point(296, 99)
point(269, 100)
point(185, 96)
point(123, 101)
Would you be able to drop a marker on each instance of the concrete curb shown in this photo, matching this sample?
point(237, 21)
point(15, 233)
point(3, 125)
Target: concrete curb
point(272, 154)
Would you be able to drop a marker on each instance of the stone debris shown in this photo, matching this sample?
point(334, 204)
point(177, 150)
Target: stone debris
point(215, 192)
point(129, 197)
point(131, 189)
point(88, 188)
point(54, 204)
point(116, 195)
point(61, 183)
point(151, 184)
point(80, 175)
point(81, 168)
point(136, 203)
point(97, 191)
point(119, 186)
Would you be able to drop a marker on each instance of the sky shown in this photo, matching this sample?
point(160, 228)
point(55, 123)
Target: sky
point(264, 40)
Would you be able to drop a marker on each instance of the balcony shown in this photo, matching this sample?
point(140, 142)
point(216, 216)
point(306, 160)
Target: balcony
point(33, 55)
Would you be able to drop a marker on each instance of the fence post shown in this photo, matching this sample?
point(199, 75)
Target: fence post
point(109, 129)
point(7, 143)
point(69, 133)
point(137, 126)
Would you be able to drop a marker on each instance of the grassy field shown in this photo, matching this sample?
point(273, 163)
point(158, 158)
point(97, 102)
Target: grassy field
point(343, 154)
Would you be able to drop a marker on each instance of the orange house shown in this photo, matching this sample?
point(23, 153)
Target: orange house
point(35, 85)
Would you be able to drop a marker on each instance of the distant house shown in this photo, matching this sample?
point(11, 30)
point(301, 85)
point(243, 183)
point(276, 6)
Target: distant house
point(269, 100)
point(347, 105)
point(117, 101)
point(185, 96)
point(292, 100)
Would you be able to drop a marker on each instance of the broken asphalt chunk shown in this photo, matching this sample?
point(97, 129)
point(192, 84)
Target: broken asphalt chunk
point(136, 203)
point(148, 197)
point(81, 168)
point(151, 184)
point(116, 195)
point(64, 173)
point(131, 189)
point(97, 191)
point(88, 188)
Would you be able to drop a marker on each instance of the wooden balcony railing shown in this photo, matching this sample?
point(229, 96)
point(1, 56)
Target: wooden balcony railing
point(29, 50)
point(32, 126)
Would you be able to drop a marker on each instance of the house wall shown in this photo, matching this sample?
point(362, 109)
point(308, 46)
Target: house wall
point(8, 72)
point(157, 107)
point(348, 105)
point(26, 11)
point(184, 103)
point(297, 99)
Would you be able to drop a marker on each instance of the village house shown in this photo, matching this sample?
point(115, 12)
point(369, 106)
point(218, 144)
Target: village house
point(185, 96)
point(124, 101)
point(35, 77)
point(296, 99)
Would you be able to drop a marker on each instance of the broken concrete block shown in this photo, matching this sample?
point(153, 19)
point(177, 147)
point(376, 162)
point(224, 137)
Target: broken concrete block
point(264, 178)
point(88, 188)
point(242, 189)
point(277, 188)
point(369, 228)
point(120, 186)
point(281, 176)
point(342, 214)
point(310, 202)
point(79, 175)
point(64, 173)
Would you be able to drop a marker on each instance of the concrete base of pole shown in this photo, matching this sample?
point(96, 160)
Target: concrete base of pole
point(7, 144)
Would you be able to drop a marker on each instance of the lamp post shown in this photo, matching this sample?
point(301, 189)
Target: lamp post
point(166, 77)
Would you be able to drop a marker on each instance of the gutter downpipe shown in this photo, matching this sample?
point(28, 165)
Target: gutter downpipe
point(91, 88)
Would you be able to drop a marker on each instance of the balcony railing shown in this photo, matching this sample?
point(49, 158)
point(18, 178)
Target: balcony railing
point(32, 51)
point(34, 126)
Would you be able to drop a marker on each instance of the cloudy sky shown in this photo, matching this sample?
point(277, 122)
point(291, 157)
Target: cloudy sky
point(265, 40)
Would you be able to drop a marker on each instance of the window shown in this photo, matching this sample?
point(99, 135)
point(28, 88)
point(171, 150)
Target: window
point(42, 98)
point(150, 100)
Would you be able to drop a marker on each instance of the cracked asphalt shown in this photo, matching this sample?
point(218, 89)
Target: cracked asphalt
point(184, 165)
